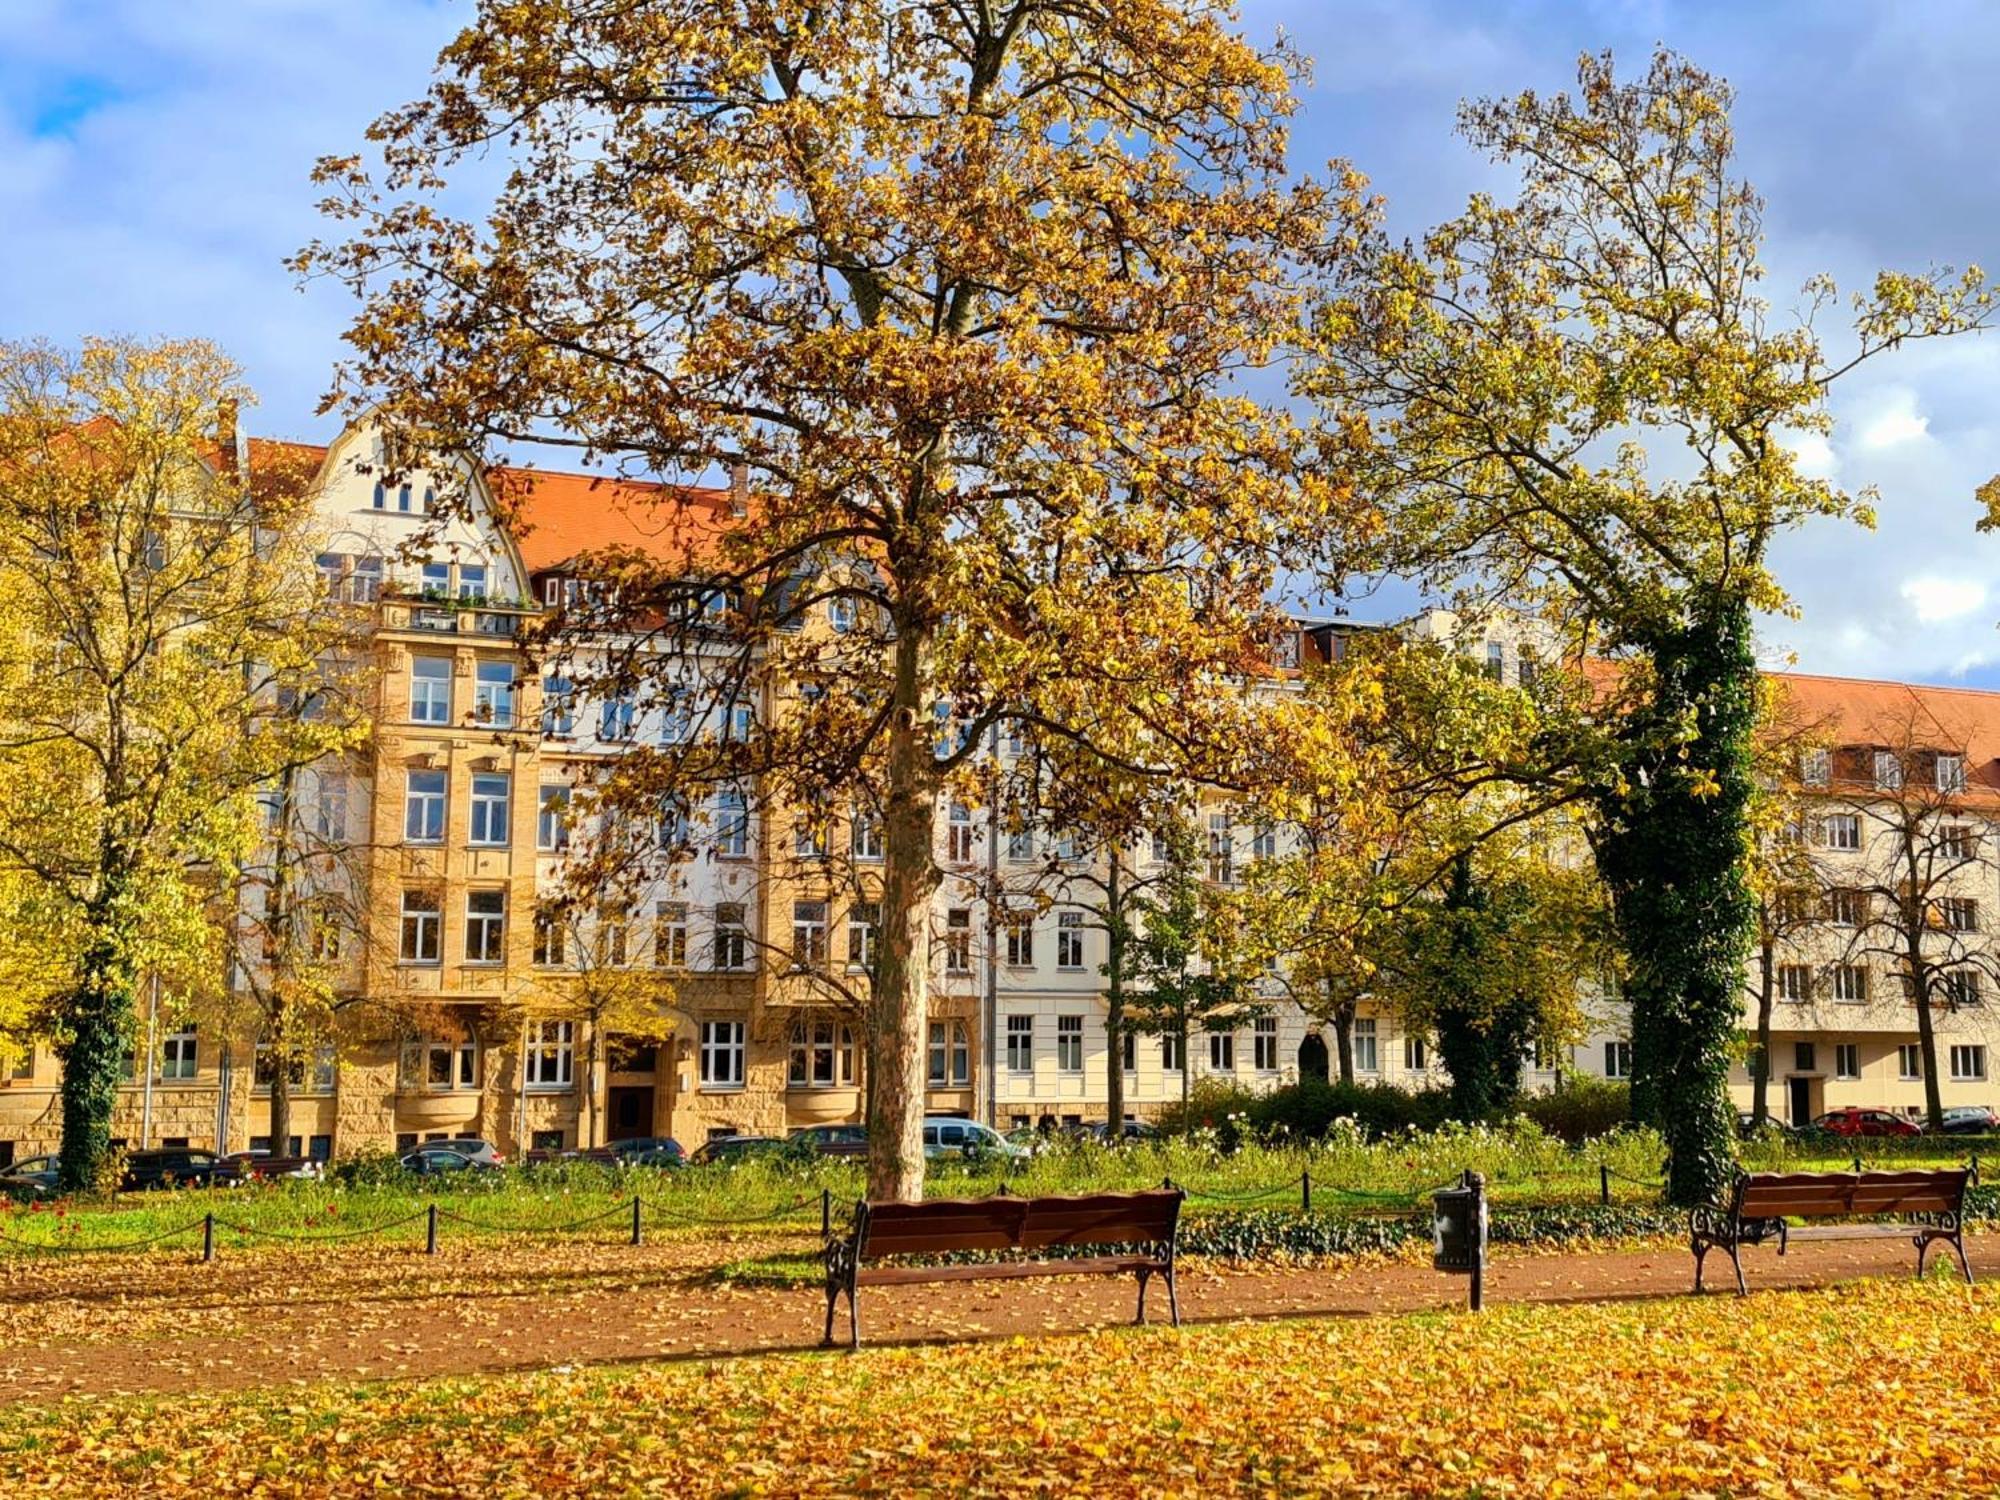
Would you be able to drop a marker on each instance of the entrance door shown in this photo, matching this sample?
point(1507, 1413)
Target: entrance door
point(1312, 1059)
point(1801, 1090)
point(631, 1111)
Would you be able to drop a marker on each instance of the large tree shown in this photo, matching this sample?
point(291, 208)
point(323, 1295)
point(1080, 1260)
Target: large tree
point(1524, 367)
point(163, 619)
point(960, 287)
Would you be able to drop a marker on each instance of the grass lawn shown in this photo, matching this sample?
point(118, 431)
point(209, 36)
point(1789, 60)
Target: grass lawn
point(1886, 1388)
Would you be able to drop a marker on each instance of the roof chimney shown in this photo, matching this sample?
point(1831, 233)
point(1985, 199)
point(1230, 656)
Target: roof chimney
point(739, 489)
point(228, 456)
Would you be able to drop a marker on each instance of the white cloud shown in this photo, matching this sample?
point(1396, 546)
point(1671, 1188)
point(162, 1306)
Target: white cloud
point(1938, 599)
point(1894, 421)
point(1815, 454)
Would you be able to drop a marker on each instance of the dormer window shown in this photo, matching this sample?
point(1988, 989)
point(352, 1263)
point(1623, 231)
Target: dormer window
point(1888, 771)
point(1950, 773)
point(437, 580)
point(1285, 650)
point(1816, 767)
point(472, 581)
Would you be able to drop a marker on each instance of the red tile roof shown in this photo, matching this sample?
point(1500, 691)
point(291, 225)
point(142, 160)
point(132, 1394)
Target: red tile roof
point(1861, 712)
point(557, 516)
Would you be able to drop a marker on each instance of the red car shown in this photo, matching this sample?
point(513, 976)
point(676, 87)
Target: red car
point(1856, 1121)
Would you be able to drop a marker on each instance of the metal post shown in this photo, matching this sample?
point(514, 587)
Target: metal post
point(431, 1230)
point(1477, 1182)
point(146, 1098)
point(825, 1213)
point(1603, 1183)
point(208, 1237)
point(1305, 1192)
point(635, 1218)
point(1857, 1161)
point(1975, 1169)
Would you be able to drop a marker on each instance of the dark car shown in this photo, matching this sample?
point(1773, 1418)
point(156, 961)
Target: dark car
point(653, 1148)
point(732, 1148)
point(167, 1167)
point(481, 1152)
point(833, 1140)
point(1969, 1119)
point(440, 1161)
point(239, 1167)
point(1746, 1125)
point(1101, 1132)
point(33, 1178)
point(1854, 1121)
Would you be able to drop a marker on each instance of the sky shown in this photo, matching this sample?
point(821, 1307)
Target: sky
point(154, 160)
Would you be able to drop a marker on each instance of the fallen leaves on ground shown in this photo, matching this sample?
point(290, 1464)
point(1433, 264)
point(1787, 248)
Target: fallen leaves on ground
point(1871, 1388)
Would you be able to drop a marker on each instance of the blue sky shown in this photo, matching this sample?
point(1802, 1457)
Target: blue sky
point(154, 159)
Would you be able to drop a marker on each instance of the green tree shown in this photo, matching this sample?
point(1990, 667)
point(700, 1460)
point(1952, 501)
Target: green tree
point(163, 617)
point(1514, 366)
point(961, 291)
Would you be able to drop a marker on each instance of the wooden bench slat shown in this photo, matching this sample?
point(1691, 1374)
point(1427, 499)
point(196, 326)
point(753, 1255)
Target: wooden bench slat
point(1004, 1270)
point(1763, 1201)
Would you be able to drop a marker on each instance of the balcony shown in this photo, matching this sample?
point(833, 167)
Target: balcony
point(821, 1106)
point(489, 619)
point(441, 1109)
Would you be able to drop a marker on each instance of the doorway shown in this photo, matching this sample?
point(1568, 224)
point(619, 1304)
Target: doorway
point(1312, 1059)
point(1801, 1101)
point(631, 1113)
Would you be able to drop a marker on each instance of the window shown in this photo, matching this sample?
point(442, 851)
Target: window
point(436, 577)
point(1842, 831)
point(381, 495)
point(558, 707)
point(1888, 771)
point(670, 935)
point(614, 937)
point(552, 818)
point(1264, 1044)
point(671, 830)
point(738, 720)
point(1020, 845)
point(423, 807)
point(179, 1054)
point(722, 1054)
point(551, 1054)
point(551, 939)
point(958, 940)
point(420, 927)
point(430, 690)
point(809, 934)
point(493, 693)
point(1496, 660)
point(1069, 1044)
point(1416, 1056)
point(1222, 1052)
point(1792, 906)
point(264, 1070)
point(1805, 1057)
point(1951, 773)
point(471, 580)
point(330, 809)
point(614, 719)
point(866, 836)
point(864, 928)
point(950, 1055)
point(1794, 983)
point(840, 614)
point(485, 927)
point(958, 835)
point(731, 943)
point(490, 796)
point(1366, 1059)
point(1528, 666)
point(1020, 1044)
point(1846, 908)
point(822, 1056)
point(732, 823)
point(676, 719)
point(1068, 846)
point(1909, 1062)
point(1617, 1059)
point(1956, 842)
point(1161, 850)
point(1968, 1063)
point(809, 837)
point(1221, 849)
point(1129, 1047)
point(1961, 988)
point(1173, 1052)
point(364, 584)
point(1959, 913)
point(23, 1066)
point(402, 497)
point(1264, 842)
point(1846, 1060)
point(1816, 767)
point(433, 1063)
point(1850, 983)
point(1020, 940)
point(1069, 940)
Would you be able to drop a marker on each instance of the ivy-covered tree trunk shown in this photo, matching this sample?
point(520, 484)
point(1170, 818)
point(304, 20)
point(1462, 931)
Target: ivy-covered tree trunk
point(1760, 1072)
point(100, 1021)
point(1114, 995)
point(1480, 1048)
point(1672, 854)
point(1340, 1010)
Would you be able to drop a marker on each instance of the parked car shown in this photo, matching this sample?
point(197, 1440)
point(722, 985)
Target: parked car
point(1969, 1119)
point(1746, 1125)
point(649, 1146)
point(239, 1167)
point(1101, 1132)
point(1854, 1121)
point(477, 1150)
point(33, 1178)
point(729, 1148)
point(167, 1167)
point(948, 1136)
point(833, 1140)
point(440, 1161)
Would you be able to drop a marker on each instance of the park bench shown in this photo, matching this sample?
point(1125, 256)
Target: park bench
point(1144, 1225)
point(1926, 1206)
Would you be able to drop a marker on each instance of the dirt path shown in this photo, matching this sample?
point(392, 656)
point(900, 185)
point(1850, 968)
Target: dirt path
point(118, 1325)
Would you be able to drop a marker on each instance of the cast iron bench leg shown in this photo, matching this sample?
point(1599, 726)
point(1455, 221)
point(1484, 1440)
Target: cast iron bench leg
point(1173, 1300)
point(832, 1298)
point(1145, 1275)
point(1700, 1255)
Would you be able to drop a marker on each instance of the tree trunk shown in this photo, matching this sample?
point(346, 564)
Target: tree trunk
point(1760, 1080)
point(1341, 1010)
point(281, 1086)
point(1114, 1000)
point(1672, 856)
point(101, 1020)
point(1920, 976)
point(899, 1004)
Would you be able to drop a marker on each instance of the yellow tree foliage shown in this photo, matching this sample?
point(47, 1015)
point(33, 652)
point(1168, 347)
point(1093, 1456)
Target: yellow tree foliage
point(963, 291)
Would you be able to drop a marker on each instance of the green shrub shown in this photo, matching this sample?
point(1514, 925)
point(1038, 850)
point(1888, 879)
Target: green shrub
point(1581, 1108)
